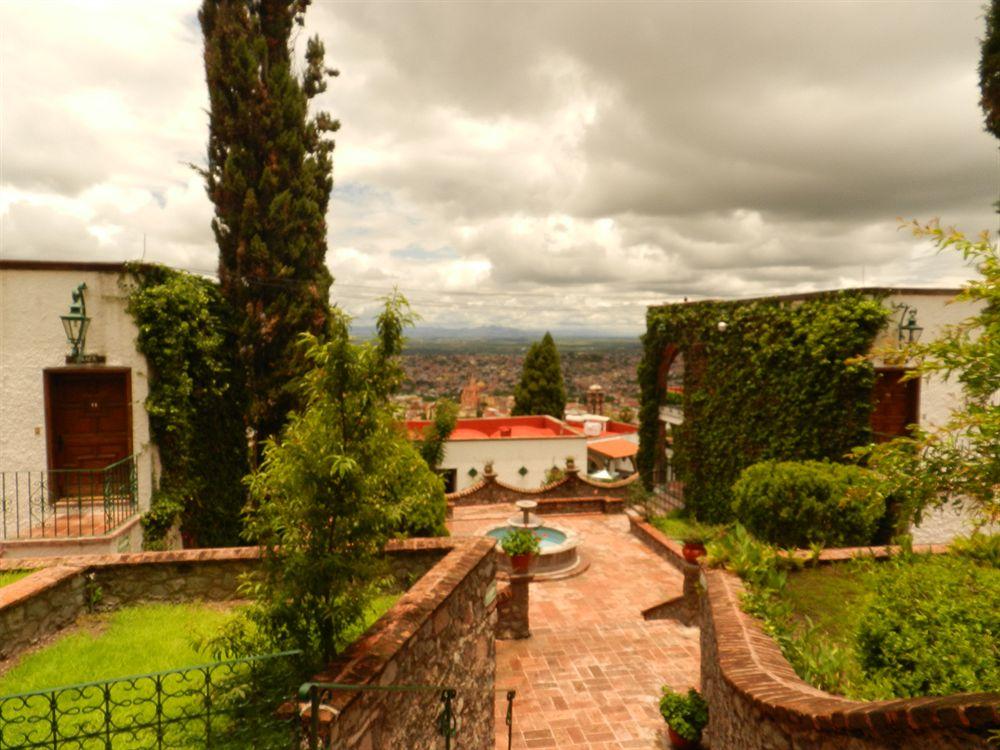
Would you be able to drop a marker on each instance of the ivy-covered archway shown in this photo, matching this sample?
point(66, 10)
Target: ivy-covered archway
point(782, 379)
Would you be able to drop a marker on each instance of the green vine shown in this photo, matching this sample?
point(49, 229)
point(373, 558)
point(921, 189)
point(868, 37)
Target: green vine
point(195, 405)
point(778, 383)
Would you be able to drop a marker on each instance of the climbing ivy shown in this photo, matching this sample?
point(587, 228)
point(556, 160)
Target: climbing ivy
point(779, 383)
point(195, 411)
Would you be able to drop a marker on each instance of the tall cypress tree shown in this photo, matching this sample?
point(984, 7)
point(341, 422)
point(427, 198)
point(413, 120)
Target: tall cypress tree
point(989, 70)
point(269, 175)
point(541, 390)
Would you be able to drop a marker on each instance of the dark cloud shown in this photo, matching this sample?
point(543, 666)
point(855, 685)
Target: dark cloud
point(567, 162)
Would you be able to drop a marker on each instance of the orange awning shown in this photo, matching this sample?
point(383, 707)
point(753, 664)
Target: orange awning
point(616, 448)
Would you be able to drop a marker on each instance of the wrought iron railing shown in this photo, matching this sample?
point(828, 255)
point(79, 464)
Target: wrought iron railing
point(61, 503)
point(216, 705)
point(195, 707)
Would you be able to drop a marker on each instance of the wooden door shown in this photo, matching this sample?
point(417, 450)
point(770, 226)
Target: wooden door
point(896, 404)
point(89, 426)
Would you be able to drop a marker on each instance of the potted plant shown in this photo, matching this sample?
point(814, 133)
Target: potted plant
point(694, 542)
point(686, 715)
point(520, 545)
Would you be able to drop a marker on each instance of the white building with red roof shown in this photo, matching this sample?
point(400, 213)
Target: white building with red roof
point(521, 449)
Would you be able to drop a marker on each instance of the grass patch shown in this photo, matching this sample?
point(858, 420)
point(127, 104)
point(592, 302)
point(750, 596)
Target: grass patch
point(131, 640)
point(140, 640)
point(679, 526)
point(832, 597)
point(9, 576)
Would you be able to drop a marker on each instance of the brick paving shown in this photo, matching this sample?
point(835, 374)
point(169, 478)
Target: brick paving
point(590, 675)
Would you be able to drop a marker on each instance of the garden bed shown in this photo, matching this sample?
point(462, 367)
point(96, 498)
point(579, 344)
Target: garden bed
point(914, 625)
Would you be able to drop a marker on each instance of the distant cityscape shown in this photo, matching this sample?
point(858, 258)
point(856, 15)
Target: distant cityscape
point(488, 379)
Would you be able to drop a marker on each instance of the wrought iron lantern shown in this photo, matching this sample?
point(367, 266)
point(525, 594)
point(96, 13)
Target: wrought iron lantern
point(76, 323)
point(909, 331)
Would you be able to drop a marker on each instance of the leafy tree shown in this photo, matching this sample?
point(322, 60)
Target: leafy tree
point(541, 390)
point(269, 177)
point(989, 70)
point(959, 461)
point(342, 479)
point(436, 433)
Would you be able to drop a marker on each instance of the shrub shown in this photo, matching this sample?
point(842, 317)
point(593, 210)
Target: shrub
point(984, 548)
point(932, 628)
point(520, 542)
point(686, 714)
point(800, 503)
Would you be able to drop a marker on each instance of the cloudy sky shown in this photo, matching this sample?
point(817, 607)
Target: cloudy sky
point(537, 165)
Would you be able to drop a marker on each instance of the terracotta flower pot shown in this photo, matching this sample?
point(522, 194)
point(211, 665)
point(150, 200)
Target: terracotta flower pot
point(680, 743)
point(521, 563)
point(693, 550)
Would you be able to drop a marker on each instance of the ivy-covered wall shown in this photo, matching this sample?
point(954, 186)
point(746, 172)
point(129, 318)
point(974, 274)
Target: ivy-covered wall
point(779, 383)
point(195, 405)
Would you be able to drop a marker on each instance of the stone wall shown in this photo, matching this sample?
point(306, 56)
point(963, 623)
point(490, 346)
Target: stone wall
point(63, 588)
point(757, 702)
point(440, 633)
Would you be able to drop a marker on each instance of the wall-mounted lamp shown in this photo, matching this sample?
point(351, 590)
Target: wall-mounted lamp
point(76, 323)
point(909, 331)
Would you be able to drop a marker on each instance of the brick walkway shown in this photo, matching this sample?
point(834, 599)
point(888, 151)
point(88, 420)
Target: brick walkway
point(589, 677)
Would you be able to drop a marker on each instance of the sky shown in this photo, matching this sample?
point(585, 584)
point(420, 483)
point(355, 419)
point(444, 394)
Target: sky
point(555, 165)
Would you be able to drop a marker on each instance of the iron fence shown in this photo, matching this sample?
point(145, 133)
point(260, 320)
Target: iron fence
point(195, 707)
point(216, 705)
point(64, 503)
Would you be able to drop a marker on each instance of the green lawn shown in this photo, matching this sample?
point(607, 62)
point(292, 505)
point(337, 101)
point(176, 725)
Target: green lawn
point(833, 597)
point(9, 576)
point(134, 640)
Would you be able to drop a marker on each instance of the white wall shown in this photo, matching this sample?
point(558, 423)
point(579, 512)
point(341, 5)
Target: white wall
point(938, 397)
point(32, 339)
point(537, 455)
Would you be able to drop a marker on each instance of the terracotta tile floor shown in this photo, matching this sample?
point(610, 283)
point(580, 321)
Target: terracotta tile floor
point(590, 675)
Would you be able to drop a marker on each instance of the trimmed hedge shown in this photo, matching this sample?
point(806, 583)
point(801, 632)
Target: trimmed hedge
point(800, 503)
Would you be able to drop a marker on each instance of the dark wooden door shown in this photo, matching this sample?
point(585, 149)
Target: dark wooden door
point(896, 404)
point(90, 425)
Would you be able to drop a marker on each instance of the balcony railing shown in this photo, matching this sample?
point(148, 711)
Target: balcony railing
point(67, 503)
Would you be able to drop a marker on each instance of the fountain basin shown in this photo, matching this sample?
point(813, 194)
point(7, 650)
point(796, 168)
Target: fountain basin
point(558, 553)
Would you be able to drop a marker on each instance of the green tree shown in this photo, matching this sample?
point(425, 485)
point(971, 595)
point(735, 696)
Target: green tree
point(437, 433)
point(989, 70)
point(541, 390)
point(269, 178)
point(959, 461)
point(342, 479)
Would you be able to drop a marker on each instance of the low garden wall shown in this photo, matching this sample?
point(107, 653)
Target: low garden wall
point(439, 633)
point(490, 490)
point(61, 589)
point(756, 701)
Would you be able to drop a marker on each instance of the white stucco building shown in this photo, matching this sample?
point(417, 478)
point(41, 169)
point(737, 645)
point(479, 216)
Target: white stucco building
point(76, 462)
point(521, 449)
